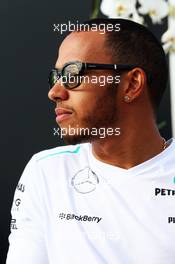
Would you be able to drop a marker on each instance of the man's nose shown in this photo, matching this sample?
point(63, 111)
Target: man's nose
point(58, 92)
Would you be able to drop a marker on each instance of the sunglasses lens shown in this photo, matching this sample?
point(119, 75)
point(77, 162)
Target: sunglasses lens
point(53, 78)
point(71, 76)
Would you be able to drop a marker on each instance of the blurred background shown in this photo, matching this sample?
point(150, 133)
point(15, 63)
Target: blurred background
point(28, 52)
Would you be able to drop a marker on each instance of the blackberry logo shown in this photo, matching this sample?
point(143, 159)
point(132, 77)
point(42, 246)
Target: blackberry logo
point(62, 215)
point(79, 217)
point(85, 181)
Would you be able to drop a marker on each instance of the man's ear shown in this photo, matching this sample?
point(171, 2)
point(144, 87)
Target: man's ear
point(136, 81)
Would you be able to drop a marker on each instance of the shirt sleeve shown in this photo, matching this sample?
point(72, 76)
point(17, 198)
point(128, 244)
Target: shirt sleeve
point(26, 240)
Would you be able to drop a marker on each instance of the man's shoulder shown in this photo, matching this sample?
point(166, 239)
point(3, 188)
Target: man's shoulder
point(67, 152)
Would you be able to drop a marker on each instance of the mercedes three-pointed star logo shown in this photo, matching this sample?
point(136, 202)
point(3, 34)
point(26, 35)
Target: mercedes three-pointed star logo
point(85, 180)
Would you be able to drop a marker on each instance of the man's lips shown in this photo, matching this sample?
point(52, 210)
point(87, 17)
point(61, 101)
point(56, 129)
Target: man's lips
point(62, 113)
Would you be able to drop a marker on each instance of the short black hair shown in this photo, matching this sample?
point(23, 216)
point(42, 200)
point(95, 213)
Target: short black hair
point(135, 44)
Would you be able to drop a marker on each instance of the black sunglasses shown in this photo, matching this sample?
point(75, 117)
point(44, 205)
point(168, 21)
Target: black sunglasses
point(71, 72)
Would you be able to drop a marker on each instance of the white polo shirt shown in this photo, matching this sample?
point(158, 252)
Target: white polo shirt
point(70, 208)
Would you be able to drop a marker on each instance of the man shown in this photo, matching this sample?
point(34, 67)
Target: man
point(108, 197)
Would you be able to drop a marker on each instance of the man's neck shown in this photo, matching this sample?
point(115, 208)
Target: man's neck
point(128, 151)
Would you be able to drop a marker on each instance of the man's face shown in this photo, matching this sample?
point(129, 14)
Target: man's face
point(91, 105)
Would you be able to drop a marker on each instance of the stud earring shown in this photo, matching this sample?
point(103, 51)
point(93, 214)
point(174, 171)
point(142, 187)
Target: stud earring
point(126, 98)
